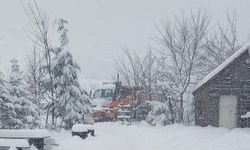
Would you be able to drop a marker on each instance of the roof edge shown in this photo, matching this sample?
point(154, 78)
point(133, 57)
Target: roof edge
point(222, 66)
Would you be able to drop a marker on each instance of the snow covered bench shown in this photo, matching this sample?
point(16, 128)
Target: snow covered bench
point(83, 130)
point(34, 137)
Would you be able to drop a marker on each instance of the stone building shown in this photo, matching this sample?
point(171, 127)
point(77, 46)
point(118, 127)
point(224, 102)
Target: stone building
point(222, 98)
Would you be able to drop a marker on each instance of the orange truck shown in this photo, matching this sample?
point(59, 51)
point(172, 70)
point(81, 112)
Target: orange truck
point(106, 99)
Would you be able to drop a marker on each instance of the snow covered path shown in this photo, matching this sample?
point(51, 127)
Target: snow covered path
point(113, 136)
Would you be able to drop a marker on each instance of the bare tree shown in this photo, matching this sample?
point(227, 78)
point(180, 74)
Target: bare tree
point(148, 78)
point(36, 75)
point(130, 68)
point(139, 75)
point(222, 43)
point(38, 32)
point(180, 44)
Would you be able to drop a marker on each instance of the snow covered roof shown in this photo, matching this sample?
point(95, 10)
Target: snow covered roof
point(90, 84)
point(222, 66)
point(14, 143)
point(35, 133)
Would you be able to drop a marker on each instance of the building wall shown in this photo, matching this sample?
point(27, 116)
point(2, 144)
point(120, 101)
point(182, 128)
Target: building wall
point(200, 106)
point(232, 80)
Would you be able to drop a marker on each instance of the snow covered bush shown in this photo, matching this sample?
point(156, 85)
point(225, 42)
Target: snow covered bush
point(159, 113)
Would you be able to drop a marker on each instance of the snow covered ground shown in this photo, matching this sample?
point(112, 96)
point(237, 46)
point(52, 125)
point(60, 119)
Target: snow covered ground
point(114, 136)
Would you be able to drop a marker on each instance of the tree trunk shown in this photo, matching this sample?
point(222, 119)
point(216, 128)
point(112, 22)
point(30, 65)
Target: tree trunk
point(171, 109)
point(47, 116)
point(181, 108)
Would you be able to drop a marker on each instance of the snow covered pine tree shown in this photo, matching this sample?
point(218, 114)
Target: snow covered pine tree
point(73, 102)
point(7, 109)
point(23, 112)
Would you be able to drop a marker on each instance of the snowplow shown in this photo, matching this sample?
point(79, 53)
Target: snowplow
point(107, 101)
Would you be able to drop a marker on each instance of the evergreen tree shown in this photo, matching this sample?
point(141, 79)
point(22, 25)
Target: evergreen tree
point(73, 101)
point(26, 112)
point(7, 108)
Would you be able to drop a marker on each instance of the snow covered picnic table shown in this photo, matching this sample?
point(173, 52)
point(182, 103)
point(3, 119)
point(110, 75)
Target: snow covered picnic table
point(32, 137)
point(83, 130)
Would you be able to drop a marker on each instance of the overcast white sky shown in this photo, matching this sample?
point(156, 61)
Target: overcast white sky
point(98, 28)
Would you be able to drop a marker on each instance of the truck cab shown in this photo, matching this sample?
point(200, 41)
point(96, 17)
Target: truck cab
point(107, 98)
point(101, 97)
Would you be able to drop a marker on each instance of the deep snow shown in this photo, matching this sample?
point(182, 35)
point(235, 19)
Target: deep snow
point(114, 136)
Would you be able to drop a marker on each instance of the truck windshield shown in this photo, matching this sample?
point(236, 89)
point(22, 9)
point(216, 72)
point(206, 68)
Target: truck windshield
point(103, 93)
